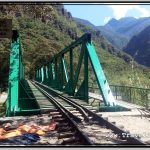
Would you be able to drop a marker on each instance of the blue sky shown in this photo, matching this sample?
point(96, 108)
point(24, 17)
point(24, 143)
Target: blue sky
point(101, 14)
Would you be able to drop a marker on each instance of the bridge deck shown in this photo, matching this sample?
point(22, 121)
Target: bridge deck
point(42, 101)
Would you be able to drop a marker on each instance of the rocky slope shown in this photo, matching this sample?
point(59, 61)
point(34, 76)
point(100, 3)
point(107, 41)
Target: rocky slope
point(139, 47)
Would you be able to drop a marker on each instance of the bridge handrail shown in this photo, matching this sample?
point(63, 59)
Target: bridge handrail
point(114, 85)
point(135, 95)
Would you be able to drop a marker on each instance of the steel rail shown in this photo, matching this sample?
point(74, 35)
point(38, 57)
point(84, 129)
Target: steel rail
point(67, 114)
point(101, 121)
point(80, 109)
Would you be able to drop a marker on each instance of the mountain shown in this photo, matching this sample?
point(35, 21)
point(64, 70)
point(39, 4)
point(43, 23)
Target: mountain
point(46, 29)
point(116, 39)
point(139, 47)
point(131, 27)
point(121, 25)
point(85, 22)
point(119, 32)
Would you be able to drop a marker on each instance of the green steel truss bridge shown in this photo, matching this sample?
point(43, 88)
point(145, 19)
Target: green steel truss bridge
point(60, 77)
point(57, 75)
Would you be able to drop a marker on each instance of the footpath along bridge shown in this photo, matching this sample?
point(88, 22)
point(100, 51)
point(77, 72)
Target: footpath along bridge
point(56, 90)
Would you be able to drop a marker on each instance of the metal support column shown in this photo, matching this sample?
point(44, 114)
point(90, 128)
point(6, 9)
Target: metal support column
point(14, 76)
point(71, 73)
point(86, 96)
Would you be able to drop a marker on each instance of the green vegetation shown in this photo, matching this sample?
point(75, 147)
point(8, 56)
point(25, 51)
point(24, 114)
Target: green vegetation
point(113, 37)
point(134, 95)
point(47, 29)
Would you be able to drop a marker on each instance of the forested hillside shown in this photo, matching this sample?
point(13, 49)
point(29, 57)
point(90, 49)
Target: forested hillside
point(47, 29)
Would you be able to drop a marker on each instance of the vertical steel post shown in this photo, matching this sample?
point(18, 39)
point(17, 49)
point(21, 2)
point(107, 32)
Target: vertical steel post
point(56, 73)
point(61, 73)
point(116, 92)
point(39, 76)
point(44, 72)
point(50, 74)
point(77, 72)
point(71, 73)
point(108, 98)
point(35, 76)
point(14, 76)
point(53, 74)
point(42, 75)
point(86, 96)
point(65, 69)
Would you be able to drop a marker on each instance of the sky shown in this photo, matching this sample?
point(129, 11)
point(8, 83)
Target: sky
point(101, 14)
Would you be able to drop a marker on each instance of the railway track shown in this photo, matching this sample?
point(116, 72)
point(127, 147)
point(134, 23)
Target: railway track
point(95, 129)
point(67, 131)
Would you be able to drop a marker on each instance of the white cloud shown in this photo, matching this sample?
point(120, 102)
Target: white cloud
point(106, 19)
point(120, 11)
point(144, 12)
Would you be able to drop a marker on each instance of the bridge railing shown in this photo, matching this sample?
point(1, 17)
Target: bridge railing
point(134, 95)
point(64, 76)
point(139, 96)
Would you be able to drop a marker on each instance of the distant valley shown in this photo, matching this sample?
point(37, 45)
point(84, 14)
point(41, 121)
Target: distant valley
point(122, 35)
point(50, 28)
point(139, 47)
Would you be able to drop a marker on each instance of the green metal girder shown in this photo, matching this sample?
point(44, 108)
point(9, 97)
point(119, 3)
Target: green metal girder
point(61, 75)
point(50, 74)
point(53, 71)
point(39, 79)
point(87, 52)
point(69, 86)
point(53, 74)
point(82, 92)
point(86, 92)
point(78, 69)
point(14, 75)
point(28, 112)
point(46, 72)
point(85, 37)
point(18, 97)
point(100, 77)
point(42, 74)
point(47, 80)
point(71, 73)
point(37, 75)
point(56, 70)
point(65, 69)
